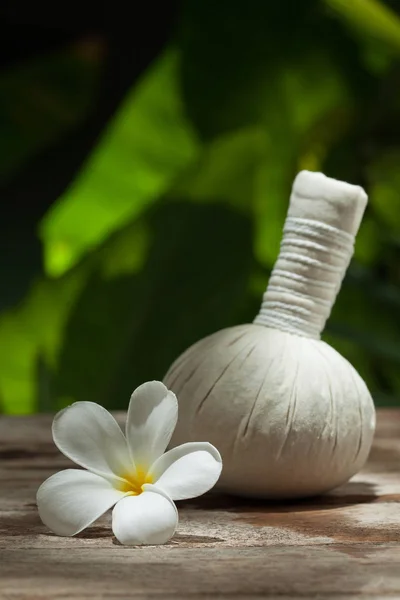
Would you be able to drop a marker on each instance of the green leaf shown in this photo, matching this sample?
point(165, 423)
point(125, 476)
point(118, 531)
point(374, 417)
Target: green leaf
point(32, 334)
point(371, 17)
point(313, 111)
point(225, 170)
point(144, 148)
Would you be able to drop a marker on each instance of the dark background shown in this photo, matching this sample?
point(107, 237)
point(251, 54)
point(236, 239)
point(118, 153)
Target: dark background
point(146, 164)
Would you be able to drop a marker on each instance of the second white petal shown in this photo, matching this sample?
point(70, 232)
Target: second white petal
point(188, 470)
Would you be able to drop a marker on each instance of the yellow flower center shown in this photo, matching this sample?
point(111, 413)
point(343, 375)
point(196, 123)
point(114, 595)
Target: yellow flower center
point(133, 482)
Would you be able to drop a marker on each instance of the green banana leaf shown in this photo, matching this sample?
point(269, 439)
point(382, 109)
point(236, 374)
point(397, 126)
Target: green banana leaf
point(144, 147)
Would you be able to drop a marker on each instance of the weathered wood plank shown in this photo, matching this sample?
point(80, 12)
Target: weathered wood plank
point(346, 544)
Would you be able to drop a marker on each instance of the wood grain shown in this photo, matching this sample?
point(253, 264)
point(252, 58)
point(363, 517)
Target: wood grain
point(343, 545)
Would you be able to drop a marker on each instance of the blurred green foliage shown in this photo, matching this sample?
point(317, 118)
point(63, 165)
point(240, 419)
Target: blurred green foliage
point(171, 227)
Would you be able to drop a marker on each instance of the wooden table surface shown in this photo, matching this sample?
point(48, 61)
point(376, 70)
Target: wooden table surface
point(346, 544)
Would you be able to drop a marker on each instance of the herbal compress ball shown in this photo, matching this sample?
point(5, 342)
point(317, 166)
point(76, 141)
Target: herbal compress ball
point(290, 416)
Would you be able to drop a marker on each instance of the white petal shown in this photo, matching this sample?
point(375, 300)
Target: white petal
point(188, 470)
point(150, 518)
point(152, 416)
point(72, 499)
point(90, 436)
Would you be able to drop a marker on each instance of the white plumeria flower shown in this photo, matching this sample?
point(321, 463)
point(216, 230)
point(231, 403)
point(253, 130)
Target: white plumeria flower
point(131, 472)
